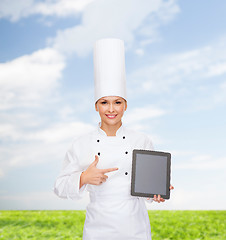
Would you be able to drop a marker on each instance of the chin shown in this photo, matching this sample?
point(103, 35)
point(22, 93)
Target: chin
point(111, 122)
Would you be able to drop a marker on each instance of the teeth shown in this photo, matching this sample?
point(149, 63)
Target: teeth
point(111, 116)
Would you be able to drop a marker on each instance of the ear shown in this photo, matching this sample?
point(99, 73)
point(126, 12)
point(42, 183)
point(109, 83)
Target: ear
point(125, 105)
point(96, 108)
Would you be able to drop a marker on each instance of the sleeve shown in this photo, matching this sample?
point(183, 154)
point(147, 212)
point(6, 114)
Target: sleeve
point(68, 181)
point(148, 145)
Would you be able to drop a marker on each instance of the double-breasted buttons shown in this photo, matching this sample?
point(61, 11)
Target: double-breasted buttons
point(126, 152)
point(98, 152)
point(126, 173)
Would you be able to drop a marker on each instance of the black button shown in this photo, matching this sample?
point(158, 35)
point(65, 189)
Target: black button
point(126, 152)
point(98, 140)
point(124, 137)
point(98, 153)
point(126, 173)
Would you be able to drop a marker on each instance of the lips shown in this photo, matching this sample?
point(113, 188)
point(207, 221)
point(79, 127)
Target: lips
point(111, 116)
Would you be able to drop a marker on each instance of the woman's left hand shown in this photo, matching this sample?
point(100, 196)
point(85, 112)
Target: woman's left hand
point(159, 199)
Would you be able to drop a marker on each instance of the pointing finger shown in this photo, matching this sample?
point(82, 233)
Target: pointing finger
point(108, 170)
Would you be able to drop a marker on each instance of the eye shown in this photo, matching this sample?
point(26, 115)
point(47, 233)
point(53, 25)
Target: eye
point(118, 102)
point(104, 102)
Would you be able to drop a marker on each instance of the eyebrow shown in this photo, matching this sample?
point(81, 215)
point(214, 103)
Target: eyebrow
point(118, 99)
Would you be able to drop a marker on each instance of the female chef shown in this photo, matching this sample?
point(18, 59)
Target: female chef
point(100, 162)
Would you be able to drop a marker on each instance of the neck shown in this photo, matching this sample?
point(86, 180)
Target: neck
point(111, 130)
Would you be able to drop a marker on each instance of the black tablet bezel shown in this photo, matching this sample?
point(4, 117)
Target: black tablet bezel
point(149, 152)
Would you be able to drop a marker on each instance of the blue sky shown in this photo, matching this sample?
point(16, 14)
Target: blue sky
point(176, 82)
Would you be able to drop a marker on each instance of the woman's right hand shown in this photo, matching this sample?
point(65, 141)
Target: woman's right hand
point(93, 175)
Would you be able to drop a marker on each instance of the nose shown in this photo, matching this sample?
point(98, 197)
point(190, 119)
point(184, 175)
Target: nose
point(111, 108)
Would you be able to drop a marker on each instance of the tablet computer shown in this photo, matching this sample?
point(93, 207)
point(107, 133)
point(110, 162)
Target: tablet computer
point(150, 173)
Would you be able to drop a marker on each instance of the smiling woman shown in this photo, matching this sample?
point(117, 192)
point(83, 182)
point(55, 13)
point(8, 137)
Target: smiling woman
point(111, 110)
point(112, 212)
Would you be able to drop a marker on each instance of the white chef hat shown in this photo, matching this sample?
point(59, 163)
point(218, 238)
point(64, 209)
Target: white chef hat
point(109, 68)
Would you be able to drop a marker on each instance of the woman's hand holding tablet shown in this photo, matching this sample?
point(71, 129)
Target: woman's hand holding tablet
point(151, 174)
point(159, 199)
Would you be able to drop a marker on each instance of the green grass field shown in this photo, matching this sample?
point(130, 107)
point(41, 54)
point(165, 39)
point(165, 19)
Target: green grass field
point(192, 225)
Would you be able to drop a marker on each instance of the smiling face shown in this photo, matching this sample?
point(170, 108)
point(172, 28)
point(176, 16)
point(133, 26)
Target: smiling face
point(111, 110)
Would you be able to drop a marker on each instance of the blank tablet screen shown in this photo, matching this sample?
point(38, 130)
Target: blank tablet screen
point(150, 173)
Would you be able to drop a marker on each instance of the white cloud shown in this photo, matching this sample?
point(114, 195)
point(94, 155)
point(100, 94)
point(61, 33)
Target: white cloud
point(217, 69)
point(56, 133)
point(181, 153)
point(61, 7)
point(8, 131)
point(99, 21)
point(26, 154)
point(61, 132)
point(15, 10)
point(28, 79)
point(133, 18)
point(28, 148)
point(181, 68)
point(66, 112)
point(139, 51)
point(137, 115)
point(220, 95)
point(202, 163)
point(139, 120)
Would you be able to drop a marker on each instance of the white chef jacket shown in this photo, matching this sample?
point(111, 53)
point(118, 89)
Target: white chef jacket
point(112, 214)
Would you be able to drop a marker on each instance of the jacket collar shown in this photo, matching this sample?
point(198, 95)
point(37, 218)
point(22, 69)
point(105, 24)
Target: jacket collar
point(119, 132)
